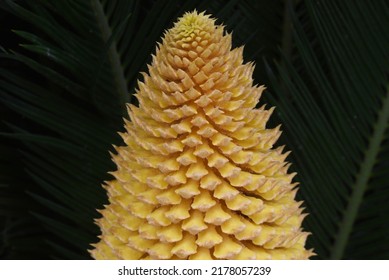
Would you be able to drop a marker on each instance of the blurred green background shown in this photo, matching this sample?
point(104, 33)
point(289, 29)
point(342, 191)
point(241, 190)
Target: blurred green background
point(68, 67)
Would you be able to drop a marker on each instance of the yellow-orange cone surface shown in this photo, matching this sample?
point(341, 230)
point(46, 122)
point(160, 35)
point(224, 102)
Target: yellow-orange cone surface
point(198, 177)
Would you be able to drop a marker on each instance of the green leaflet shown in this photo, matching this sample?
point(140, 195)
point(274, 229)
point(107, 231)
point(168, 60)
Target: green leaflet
point(338, 125)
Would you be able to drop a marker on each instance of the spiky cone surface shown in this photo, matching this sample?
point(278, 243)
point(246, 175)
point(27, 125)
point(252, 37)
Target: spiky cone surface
point(198, 177)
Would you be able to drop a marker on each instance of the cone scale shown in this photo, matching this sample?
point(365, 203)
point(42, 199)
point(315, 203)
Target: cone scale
point(198, 177)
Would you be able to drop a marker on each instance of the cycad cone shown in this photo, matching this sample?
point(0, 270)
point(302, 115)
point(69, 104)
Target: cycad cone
point(198, 177)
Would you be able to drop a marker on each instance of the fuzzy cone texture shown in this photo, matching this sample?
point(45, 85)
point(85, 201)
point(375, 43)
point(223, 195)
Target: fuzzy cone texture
point(199, 177)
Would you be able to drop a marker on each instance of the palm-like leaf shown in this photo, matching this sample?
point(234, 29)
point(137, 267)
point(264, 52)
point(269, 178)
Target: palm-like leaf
point(337, 122)
point(83, 58)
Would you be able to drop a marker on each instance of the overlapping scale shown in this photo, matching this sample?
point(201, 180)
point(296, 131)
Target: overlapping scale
point(198, 177)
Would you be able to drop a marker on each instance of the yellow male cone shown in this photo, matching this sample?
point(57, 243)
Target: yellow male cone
point(199, 177)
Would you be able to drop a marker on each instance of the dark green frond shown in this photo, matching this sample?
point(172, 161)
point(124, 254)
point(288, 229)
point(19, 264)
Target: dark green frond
point(335, 116)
